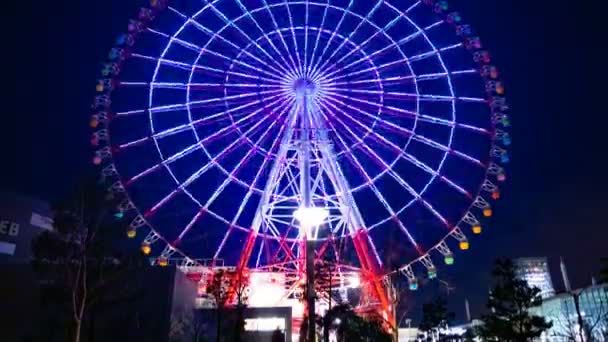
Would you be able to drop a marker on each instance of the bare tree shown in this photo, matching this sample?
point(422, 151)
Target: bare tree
point(241, 286)
point(80, 269)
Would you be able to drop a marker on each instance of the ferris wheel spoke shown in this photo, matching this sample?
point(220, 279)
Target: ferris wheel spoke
point(214, 161)
point(306, 15)
point(406, 132)
point(201, 50)
point(244, 9)
point(295, 41)
point(352, 33)
point(250, 190)
point(197, 104)
point(355, 161)
point(394, 44)
point(315, 69)
point(196, 86)
point(385, 166)
point(252, 41)
point(401, 152)
point(396, 79)
point(201, 68)
point(407, 113)
point(407, 96)
point(316, 46)
point(213, 35)
point(399, 62)
point(378, 31)
point(188, 150)
point(276, 25)
point(231, 177)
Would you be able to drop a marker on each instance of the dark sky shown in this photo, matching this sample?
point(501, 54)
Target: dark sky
point(551, 57)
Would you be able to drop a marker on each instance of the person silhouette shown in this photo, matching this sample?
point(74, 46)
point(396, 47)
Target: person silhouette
point(278, 336)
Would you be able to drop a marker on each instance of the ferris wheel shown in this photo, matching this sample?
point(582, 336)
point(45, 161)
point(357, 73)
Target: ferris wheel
point(237, 130)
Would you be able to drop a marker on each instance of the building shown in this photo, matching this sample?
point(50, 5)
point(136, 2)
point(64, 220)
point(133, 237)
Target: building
point(21, 219)
point(561, 311)
point(535, 271)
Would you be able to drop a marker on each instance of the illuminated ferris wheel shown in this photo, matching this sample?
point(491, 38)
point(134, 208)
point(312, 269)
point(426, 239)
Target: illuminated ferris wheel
point(246, 130)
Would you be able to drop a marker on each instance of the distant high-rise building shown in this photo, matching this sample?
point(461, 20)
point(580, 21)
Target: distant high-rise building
point(535, 271)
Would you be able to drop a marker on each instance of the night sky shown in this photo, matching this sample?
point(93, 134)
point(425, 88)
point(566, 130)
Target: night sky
point(552, 59)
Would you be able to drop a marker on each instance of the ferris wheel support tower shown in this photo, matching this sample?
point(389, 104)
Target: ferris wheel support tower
point(306, 148)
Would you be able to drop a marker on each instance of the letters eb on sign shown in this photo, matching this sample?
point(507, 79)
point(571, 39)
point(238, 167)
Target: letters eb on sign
point(9, 228)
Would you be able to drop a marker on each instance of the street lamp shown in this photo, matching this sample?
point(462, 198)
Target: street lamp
point(310, 217)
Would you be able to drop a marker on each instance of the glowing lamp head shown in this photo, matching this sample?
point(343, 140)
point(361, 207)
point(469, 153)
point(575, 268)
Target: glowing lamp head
point(131, 233)
point(476, 229)
point(449, 260)
point(487, 212)
point(464, 245)
point(432, 273)
point(501, 177)
point(145, 248)
point(496, 194)
point(310, 217)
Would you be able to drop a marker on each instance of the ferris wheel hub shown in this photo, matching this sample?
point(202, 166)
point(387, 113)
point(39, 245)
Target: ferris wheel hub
point(304, 86)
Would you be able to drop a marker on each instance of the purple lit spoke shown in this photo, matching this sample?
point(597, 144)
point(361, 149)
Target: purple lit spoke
point(354, 160)
point(217, 34)
point(314, 50)
point(382, 163)
point(401, 152)
point(352, 33)
point(244, 9)
point(252, 41)
point(197, 86)
point(276, 25)
point(199, 49)
point(409, 113)
point(232, 174)
point(200, 144)
point(214, 161)
point(408, 96)
point(315, 69)
point(393, 79)
point(202, 68)
point(295, 41)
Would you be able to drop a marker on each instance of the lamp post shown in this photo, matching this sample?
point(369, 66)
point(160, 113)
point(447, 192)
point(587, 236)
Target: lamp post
point(310, 218)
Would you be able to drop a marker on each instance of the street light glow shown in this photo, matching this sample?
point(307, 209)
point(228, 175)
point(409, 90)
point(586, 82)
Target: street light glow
point(310, 217)
point(354, 281)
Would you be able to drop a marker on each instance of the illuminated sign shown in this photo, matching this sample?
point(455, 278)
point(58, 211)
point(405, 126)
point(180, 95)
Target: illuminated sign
point(9, 228)
point(265, 324)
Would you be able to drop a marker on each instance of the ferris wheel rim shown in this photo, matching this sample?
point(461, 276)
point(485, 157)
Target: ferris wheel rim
point(228, 174)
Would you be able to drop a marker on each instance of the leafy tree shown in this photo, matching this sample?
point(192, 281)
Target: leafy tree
point(219, 290)
point(81, 272)
point(187, 326)
point(509, 303)
point(435, 316)
point(351, 327)
point(469, 335)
